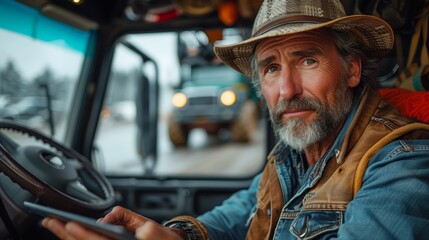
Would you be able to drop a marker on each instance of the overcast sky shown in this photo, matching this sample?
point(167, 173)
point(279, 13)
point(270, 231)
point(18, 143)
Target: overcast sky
point(31, 57)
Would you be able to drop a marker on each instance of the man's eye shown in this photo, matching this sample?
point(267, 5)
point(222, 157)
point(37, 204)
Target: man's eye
point(271, 69)
point(309, 61)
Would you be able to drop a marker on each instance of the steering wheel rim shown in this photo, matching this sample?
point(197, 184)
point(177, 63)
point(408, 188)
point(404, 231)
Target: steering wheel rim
point(63, 161)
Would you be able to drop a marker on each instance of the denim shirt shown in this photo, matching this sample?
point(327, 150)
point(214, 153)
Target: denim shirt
point(393, 202)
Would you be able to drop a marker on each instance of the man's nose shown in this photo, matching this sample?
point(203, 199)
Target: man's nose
point(290, 84)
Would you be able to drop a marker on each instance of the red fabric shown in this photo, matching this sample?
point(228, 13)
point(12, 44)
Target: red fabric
point(410, 103)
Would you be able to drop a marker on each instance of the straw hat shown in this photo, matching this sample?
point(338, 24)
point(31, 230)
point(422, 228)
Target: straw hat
point(284, 17)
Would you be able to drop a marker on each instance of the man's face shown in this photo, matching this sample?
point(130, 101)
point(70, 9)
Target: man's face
point(305, 86)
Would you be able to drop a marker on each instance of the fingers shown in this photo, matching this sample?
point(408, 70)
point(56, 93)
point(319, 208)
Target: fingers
point(147, 230)
point(56, 227)
point(153, 231)
point(124, 217)
point(78, 232)
point(117, 215)
point(70, 230)
point(144, 228)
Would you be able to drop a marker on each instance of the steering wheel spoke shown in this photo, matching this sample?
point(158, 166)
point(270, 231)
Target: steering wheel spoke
point(73, 162)
point(78, 190)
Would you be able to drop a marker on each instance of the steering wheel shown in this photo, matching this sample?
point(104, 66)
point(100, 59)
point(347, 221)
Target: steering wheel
point(53, 173)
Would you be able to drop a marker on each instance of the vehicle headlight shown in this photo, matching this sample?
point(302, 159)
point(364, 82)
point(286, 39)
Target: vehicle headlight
point(228, 98)
point(179, 100)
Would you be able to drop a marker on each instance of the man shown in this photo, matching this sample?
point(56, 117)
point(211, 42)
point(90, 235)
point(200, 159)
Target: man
point(337, 172)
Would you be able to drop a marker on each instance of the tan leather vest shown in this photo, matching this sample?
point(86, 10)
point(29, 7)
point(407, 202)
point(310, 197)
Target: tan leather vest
point(374, 119)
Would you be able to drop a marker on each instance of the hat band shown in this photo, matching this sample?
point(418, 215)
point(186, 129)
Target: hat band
point(289, 20)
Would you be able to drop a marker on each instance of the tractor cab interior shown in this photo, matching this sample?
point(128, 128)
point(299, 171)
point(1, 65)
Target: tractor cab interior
point(123, 102)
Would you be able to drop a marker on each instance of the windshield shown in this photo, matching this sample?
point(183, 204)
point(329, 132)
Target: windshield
point(201, 138)
point(40, 64)
point(214, 74)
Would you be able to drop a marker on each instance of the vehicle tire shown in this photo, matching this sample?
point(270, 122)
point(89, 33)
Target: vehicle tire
point(244, 127)
point(177, 133)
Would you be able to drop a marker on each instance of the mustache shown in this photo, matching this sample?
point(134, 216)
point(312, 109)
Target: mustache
point(295, 103)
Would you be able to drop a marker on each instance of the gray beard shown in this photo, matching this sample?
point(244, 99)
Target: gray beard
point(299, 135)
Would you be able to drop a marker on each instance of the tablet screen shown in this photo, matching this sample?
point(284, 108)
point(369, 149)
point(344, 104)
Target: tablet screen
point(108, 230)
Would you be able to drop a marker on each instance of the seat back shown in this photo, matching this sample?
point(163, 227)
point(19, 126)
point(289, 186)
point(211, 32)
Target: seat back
point(409, 103)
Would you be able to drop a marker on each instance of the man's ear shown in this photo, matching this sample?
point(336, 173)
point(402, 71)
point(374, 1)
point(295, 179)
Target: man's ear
point(354, 72)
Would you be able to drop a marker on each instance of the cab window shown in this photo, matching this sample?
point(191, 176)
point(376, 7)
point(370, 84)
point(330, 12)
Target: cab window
point(40, 66)
point(209, 119)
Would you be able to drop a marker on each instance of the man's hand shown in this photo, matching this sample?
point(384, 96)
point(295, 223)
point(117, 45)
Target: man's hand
point(69, 230)
point(143, 228)
point(125, 218)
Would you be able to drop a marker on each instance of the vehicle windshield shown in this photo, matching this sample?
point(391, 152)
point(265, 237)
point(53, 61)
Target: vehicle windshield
point(40, 63)
point(189, 139)
point(214, 74)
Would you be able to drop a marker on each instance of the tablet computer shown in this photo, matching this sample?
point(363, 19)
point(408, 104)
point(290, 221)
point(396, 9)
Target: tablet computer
point(108, 230)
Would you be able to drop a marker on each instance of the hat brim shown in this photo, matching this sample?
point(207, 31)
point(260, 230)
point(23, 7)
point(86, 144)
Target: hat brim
point(374, 34)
